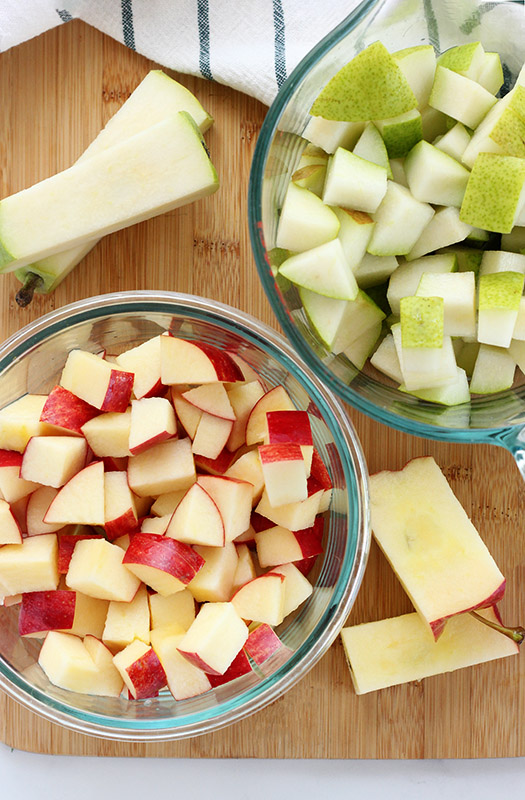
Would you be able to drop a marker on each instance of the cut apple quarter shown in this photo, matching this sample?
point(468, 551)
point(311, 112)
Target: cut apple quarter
point(211, 398)
point(152, 421)
point(276, 399)
point(144, 362)
point(432, 545)
point(53, 460)
point(97, 381)
point(214, 638)
point(81, 500)
point(96, 569)
point(197, 519)
point(140, 669)
point(214, 581)
point(261, 600)
point(233, 498)
point(30, 566)
point(65, 410)
point(9, 528)
point(262, 643)
point(184, 679)
point(68, 664)
point(284, 473)
point(162, 563)
point(46, 611)
point(195, 362)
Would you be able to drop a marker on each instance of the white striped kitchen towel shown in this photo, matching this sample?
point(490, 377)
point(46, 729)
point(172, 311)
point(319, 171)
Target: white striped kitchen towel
point(251, 45)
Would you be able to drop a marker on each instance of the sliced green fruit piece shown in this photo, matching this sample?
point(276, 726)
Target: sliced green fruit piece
point(324, 270)
point(434, 177)
point(405, 280)
point(418, 65)
point(458, 290)
point(493, 371)
point(454, 142)
point(398, 171)
point(354, 233)
point(465, 59)
point(519, 328)
point(425, 367)
point(338, 323)
point(305, 221)
point(371, 147)
point(491, 75)
point(495, 192)
point(385, 359)
point(352, 182)
point(359, 350)
point(330, 134)
point(400, 133)
point(444, 228)
point(400, 221)
point(498, 305)
point(371, 86)
point(374, 270)
point(501, 261)
point(459, 97)
point(450, 394)
point(422, 322)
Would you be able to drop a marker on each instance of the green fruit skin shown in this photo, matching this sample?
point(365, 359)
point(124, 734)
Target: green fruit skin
point(501, 290)
point(422, 320)
point(482, 206)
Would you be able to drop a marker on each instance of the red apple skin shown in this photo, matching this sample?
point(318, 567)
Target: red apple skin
point(306, 565)
point(437, 626)
point(239, 666)
point(147, 675)
point(197, 661)
point(260, 523)
point(289, 426)
point(10, 458)
point(157, 390)
point(114, 464)
point(272, 453)
point(262, 643)
point(160, 437)
point(319, 472)
point(127, 523)
point(310, 539)
point(65, 410)
point(118, 393)
point(46, 611)
point(66, 545)
point(225, 367)
point(165, 554)
point(216, 466)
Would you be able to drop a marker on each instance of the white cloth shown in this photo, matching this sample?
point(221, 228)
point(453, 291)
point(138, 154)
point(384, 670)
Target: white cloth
point(251, 45)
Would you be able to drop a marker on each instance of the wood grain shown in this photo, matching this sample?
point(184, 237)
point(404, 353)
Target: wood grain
point(56, 93)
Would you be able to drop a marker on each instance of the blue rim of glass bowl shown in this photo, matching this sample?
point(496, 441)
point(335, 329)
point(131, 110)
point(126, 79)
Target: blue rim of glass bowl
point(355, 557)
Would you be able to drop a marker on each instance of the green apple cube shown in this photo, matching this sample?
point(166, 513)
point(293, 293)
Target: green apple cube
point(435, 177)
point(354, 234)
point(499, 296)
point(358, 351)
point(422, 323)
point(154, 171)
point(495, 192)
point(461, 98)
point(311, 170)
point(418, 65)
point(425, 367)
point(454, 142)
point(400, 133)
point(330, 134)
point(352, 182)
point(481, 141)
point(374, 270)
point(371, 147)
point(361, 315)
point(490, 75)
point(398, 171)
point(434, 123)
point(324, 270)
point(385, 359)
point(493, 371)
point(305, 221)
point(400, 221)
point(465, 59)
point(515, 240)
point(458, 290)
point(501, 261)
point(371, 86)
point(450, 394)
point(338, 323)
point(519, 328)
point(324, 314)
point(405, 280)
point(445, 228)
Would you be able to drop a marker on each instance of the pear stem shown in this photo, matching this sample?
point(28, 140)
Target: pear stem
point(517, 634)
point(31, 284)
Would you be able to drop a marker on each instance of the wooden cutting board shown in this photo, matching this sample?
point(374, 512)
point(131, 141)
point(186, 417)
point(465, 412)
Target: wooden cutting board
point(57, 91)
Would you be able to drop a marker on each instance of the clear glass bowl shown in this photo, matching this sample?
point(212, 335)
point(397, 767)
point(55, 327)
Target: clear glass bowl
point(500, 26)
point(31, 361)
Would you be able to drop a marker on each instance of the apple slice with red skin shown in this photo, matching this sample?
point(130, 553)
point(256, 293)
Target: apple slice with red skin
point(46, 611)
point(108, 434)
point(189, 415)
point(163, 468)
point(81, 500)
point(12, 486)
point(195, 362)
point(239, 666)
point(211, 436)
point(53, 460)
point(215, 466)
point(248, 468)
point(96, 569)
point(261, 600)
point(278, 545)
point(297, 588)
point(248, 372)
point(90, 615)
point(10, 532)
point(144, 362)
point(284, 473)
point(262, 643)
point(66, 411)
point(66, 546)
point(119, 506)
point(294, 516)
point(197, 519)
point(214, 638)
point(276, 399)
point(243, 397)
point(233, 499)
point(161, 562)
point(20, 420)
point(211, 398)
point(319, 473)
point(97, 381)
point(141, 670)
point(183, 678)
point(152, 421)
point(292, 426)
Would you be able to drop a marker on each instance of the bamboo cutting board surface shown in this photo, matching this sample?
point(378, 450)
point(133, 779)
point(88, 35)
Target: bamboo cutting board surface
point(56, 93)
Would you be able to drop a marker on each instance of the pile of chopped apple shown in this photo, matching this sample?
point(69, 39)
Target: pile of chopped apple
point(161, 510)
point(448, 573)
point(403, 225)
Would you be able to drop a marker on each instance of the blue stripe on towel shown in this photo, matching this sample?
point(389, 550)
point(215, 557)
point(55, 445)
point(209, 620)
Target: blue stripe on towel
point(64, 15)
point(203, 19)
point(279, 43)
point(127, 23)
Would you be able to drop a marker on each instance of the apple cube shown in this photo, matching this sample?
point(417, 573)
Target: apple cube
point(240, 666)
point(233, 499)
point(152, 421)
point(284, 473)
point(96, 569)
point(291, 426)
point(176, 609)
point(140, 669)
point(162, 563)
point(46, 611)
point(68, 664)
point(119, 506)
point(12, 486)
point(109, 680)
point(276, 399)
point(398, 650)
point(37, 506)
point(243, 397)
point(197, 519)
point(167, 503)
point(81, 500)
point(245, 569)
point(20, 420)
point(53, 460)
point(9, 529)
point(195, 362)
point(183, 678)
point(294, 516)
point(90, 616)
point(278, 545)
point(144, 362)
point(214, 638)
point(165, 467)
point(297, 588)
point(248, 468)
point(211, 435)
point(211, 398)
point(108, 434)
point(30, 566)
point(95, 380)
point(158, 525)
point(262, 643)
point(188, 414)
point(65, 410)
point(215, 466)
point(432, 545)
point(214, 581)
point(127, 621)
point(261, 600)
point(66, 545)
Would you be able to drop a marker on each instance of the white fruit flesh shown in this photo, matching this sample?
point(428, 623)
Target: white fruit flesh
point(183, 678)
point(214, 638)
point(386, 360)
point(152, 421)
point(127, 621)
point(53, 460)
point(67, 663)
point(460, 97)
point(323, 269)
point(494, 370)
point(294, 516)
point(444, 228)
point(197, 519)
point(20, 420)
point(178, 608)
point(400, 221)
point(374, 270)
point(214, 581)
point(354, 234)
point(297, 588)
point(96, 569)
point(434, 176)
point(352, 182)
point(305, 221)
point(233, 498)
point(405, 280)
point(458, 290)
point(109, 681)
point(261, 600)
point(165, 467)
point(81, 500)
point(144, 361)
point(30, 566)
point(331, 134)
point(9, 530)
point(108, 434)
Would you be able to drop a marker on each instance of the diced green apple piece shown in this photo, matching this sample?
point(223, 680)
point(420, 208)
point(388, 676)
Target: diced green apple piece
point(157, 170)
point(359, 350)
point(458, 290)
point(495, 193)
point(465, 59)
point(446, 227)
point(305, 221)
point(385, 359)
point(324, 270)
point(461, 98)
point(401, 133)
point(400, 221)
point(418, 65)
point(352, 182)
point(450, 394)
point(405, 280)
point(501, 261)
point(498, 304)
point(354, 234)
point(371, 147)
point(371, 86)
point(490, 75)
point(338, 323)
point(374, 270)
point(425, 367)
point(435, 177)
point(493, 371)
point(454, 142)
point(329, 134)
point(519, 328)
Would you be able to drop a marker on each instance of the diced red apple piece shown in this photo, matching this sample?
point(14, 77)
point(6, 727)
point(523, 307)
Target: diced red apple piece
point(294, 516)
point(248, 468)
point(9, 529)
point(214, 581)
point(262, 643)
point(261, 600)
point(211, 398)
point(46, 611)
point(140, 669)
point(176, 609)
point(165, 467)
point(284, 473)
point(108, 434)
point(81, 500)
point(152, 421)
point(66, 545)
point(90, 616)
point(109, 679)
point(53, 460)
point(30, 566)
point(167, 503)
point(233, 499)
point(162, 563)
point(278, 545)
point(211, 435)
point(119, 506)
point(292, 426)
point(197, 519)
point(158, 525)
point(276, 399)
point(183, 678)
point(127, 621)
point(248, 372)
point(245, 570)
point(19, 512)
point(65, 410)
point(297, 588)
point(188, 414)
point(214, 638)
point(20, 420)
point(37, 506)
point(240, 666)
point(96, 569)
point(144, 362)
point(12, 486)
point(215, 466)
point(68, 664)
point(243, 398)
point(95, 380)
point(195, 362)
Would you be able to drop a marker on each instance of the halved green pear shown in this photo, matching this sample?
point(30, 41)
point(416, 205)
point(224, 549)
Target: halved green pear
point(490, 75)
point(305, 221)
point(458, 290)
point(493, 371)
point(374, 270)
point(445, 228)
point(385, 359)
point(352, 182)
point(418, 65)
point(324, 270)
point(498, 304)
point(461, 98)
point(405, 280)
point(400, 133)
point(400, 221)
point(371, 147)
point(495, 193)
point(450, 394)
point(435, 177)
point(371, 86)
point(354, 234)
point(465, 59)
point(330, 134)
